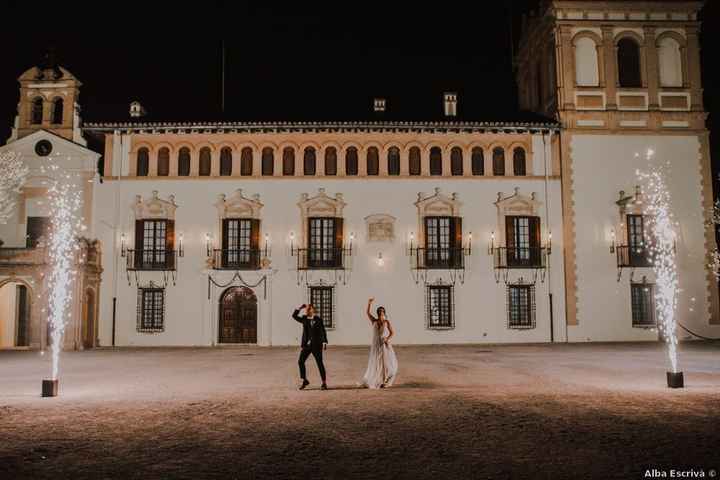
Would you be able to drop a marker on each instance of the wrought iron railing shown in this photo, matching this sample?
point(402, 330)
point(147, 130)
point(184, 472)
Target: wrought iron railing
point(326, 258)
point(22, 256)
point(151, 259)
point(237, 258)
point(448, 258)
point(520, 257)
point(633, 257)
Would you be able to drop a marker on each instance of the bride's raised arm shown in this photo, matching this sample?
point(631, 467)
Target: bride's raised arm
point(369, 314)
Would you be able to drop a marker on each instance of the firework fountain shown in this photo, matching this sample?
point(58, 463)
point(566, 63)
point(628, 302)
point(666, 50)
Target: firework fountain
point(65, 197)
point(663, 254)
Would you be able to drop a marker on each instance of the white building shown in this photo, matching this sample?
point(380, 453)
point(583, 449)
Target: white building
point(467, 231)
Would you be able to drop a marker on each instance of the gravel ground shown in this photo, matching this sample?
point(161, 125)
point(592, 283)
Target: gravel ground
point(561, 411)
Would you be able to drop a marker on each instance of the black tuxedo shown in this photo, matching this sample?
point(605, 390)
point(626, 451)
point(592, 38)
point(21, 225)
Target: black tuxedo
point(313, 337)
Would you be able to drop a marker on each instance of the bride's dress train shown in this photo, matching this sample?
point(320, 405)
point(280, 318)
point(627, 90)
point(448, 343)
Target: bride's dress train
point(382, 363)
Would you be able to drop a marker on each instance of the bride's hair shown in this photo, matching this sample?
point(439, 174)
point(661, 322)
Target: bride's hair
point(378, 311)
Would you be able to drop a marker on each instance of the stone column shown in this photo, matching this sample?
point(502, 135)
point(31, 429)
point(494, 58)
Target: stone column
point(694, 74)
point(236, 155)
point(425, 163)
point(153, 163)
point(194, 162)
point(652, 71)
point(257, 163)
point(610, 62)
point(404, 162)
point(566, 79)
point(215, 163)
point(467, 162)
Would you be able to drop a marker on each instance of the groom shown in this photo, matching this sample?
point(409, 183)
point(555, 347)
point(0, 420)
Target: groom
point(314, 340)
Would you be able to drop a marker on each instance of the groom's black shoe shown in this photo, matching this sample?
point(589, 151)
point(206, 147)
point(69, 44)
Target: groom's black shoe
point(323, 386)
point(304, 384)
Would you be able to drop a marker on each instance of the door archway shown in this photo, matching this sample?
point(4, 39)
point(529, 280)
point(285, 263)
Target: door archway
point(15, 299)
point(238, 316)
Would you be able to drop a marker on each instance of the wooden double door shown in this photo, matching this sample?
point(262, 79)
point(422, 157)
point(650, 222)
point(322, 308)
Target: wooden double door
point(238, 316)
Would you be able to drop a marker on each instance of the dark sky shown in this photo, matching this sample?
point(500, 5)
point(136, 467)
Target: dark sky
point(307, 62)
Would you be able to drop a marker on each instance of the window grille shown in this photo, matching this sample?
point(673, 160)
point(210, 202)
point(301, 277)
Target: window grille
point(440, 307)
point(151, 309)
point(643, 305)
point(322, 298)
point(521, 306)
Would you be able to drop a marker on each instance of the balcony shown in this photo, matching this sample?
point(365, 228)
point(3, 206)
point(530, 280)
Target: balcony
point(151, 260)
point(324, 258)
point(520, 257)
point(633, 257)
point(237, 258)
point(448, 258)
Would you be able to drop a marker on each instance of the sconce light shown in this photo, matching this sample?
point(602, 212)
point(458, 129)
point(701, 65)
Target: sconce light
point(123, 246)
point(181, 250)
point(292, 242)
point(491, 247)
point(549, 244)
point(469, 244)
point(352, 239)
point(267, 244)
point(380, 260)
point(411, 244)
point(612, 241)
point(208, 244)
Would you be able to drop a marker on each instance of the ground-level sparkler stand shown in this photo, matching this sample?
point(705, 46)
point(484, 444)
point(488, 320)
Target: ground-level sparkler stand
point(675, 380)
point(50, 388)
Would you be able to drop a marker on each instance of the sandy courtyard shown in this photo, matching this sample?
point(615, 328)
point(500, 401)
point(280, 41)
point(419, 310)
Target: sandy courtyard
point(563, 411)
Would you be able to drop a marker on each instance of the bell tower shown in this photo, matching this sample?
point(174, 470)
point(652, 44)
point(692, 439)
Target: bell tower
point(48, 101)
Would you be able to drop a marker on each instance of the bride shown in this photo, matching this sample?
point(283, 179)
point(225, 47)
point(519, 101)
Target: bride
point(382, 363)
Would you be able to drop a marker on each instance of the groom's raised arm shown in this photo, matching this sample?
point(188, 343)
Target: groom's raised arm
point(296, 314)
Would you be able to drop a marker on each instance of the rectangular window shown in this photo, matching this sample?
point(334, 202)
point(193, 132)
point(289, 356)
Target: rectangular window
point(521, 306)
point(643, 305)
point(325, 242)
point(443, 242)
point(637, 247)
point(522, 235)
point(151, 310)
point(154, 240)
point(241, 243)
point(440, 307)
point(322, 299)
point(37, 228)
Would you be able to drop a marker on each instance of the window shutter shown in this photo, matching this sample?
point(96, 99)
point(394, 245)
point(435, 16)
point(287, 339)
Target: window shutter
point(338, 241)
point(457, 253)
point(170, 243)
point(255, 243)
point(139, 236)
point(510, 232)
point(534, 224)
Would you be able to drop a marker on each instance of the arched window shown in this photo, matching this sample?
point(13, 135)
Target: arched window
point(163, 162)
point(436, 161)
point(226, 162)
point(456, 161)
point(414, 160)
point(330, 161)
point(309, 161)
point(143, 162)
point(351, 161)
point(519, 162)
point(670, 59)
point(57, 111)
point(498, 162)
point(393, 159)
point(246, 162)
point(268, 161)
point(478, 161)
point(373, 161)
point(184, 162)
point(36, 115)
point(205, 162)
point(628, 60)
point(289, 161)
point(587, 73)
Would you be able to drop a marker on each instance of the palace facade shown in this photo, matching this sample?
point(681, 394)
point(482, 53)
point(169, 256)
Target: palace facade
point(467, 230)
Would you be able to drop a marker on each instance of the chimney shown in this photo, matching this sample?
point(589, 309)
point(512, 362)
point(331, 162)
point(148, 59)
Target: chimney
point(378, 105)
point(450, 104)
point(137, 110)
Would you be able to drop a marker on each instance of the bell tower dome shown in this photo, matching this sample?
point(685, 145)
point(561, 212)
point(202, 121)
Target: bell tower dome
point(48, 101)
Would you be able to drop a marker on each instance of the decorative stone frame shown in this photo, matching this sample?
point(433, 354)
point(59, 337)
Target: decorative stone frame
point(515, 204)
point(321, 205)
point(236, 206)
point(155, 208)
point(437, 204)
point(627, 205)
point(380, 227)
point(599, 52)
point(682, 42)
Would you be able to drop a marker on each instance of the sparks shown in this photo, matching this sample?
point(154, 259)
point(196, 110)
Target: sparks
point(65, 197)
point(662, 251)
point(13, 174)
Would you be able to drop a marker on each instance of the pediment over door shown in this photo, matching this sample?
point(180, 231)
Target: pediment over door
point(155, 207)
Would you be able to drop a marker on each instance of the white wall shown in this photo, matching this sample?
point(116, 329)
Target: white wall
point(192, 320)
point(602, 166)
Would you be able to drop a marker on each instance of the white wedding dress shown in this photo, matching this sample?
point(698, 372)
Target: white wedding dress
point(382, 364)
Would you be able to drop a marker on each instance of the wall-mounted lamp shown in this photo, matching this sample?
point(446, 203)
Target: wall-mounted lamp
point(411, 244)
point(352, 239)
point(469, 244)
point(181, 250)
point(123, 245)
point(491, 247)
point(208, 244)
point(380, 260)
point(267, 244)
point(612, 241)
point(549, 244)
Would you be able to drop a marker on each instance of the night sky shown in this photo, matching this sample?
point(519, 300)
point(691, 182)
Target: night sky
point(307, 62)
